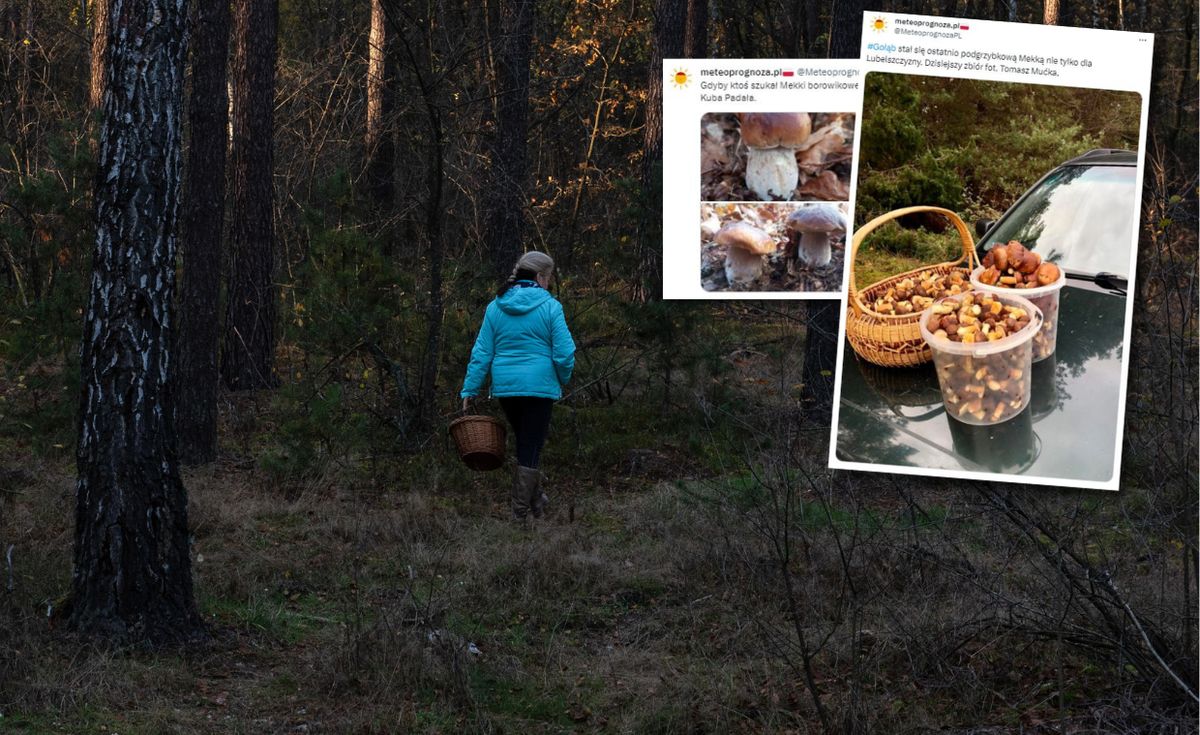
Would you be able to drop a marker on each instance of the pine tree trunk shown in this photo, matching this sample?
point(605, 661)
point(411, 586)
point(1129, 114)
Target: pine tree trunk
point(1050, 12)
point(248, 352)
point(100, 17)
point(203, 217)
point(845, 28)
point(670, 30)
point(380, 104)
point(132, 579)
point(506, 193)
point(697, 29)
point(820, 357)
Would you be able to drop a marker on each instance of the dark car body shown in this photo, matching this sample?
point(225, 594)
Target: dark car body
point(1081, 216)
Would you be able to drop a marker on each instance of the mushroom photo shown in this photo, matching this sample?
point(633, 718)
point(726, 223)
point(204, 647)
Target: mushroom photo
point(810, 230)
point(776, 156)
point(780, 247)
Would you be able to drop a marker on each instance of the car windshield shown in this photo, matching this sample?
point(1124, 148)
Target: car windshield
point(1079, 217)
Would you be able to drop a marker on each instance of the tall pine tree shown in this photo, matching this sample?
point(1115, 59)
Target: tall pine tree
point(132, 577)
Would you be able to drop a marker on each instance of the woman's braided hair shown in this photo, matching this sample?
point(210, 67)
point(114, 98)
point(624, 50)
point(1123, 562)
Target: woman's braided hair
point(527, 268)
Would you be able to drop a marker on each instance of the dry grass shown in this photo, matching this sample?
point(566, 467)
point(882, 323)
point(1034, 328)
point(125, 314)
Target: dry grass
point(393, 595)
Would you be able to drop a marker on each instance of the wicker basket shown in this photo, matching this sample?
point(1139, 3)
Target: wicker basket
point(894, 340)
point(480, 441)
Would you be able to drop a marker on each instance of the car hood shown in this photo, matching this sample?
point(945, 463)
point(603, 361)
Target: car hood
point(895, 415)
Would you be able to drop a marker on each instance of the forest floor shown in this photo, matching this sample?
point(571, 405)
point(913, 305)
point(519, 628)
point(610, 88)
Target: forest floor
point(393, 594)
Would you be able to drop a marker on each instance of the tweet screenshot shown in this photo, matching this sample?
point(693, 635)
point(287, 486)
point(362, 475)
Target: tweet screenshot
point(997, 181)
point(757, 169)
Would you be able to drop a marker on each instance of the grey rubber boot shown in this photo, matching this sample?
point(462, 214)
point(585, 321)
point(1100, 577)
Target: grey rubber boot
point(537, 499)
point(529, 482)
point(520, 493)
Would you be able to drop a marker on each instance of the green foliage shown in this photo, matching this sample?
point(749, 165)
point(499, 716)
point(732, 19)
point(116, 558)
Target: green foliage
point(930, 140)
point(928, 179)
point(345, 290)
point(46, 241)
point(970, 146)
point(895, 135)
point(317, 425)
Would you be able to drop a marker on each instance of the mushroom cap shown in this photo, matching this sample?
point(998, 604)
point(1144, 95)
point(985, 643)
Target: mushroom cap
point(742, 236)
point(774, 129)
point(821, 218)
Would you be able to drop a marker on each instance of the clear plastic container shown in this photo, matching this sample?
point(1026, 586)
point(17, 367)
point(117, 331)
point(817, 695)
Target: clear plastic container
point(1044, 298)
point(985, 383)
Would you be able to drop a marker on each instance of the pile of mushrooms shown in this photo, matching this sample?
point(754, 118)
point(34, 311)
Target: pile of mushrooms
point(810, 229)
point(1015, 266)
point(914, 294)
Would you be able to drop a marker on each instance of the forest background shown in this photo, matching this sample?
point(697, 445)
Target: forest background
point(702, 570)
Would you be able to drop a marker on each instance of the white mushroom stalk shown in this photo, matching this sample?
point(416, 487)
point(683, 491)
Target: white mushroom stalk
point(745, 247)
point(772, 173)
point(771, 139)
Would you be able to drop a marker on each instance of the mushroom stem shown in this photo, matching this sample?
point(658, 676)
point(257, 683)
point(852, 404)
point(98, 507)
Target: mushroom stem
point(772, 173)
point(814, 249)
point(742, 266)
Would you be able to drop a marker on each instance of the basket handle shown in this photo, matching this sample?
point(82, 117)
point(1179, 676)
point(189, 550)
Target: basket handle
point(964, 234)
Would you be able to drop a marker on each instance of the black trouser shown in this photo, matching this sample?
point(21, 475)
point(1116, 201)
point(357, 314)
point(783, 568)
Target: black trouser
point(530, 420)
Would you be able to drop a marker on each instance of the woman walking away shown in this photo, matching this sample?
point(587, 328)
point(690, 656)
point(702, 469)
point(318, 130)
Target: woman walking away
point(525, 344)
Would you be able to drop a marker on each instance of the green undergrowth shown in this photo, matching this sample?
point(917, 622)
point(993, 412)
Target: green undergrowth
point(283, 618)
point(892, 249)
point(756, 493)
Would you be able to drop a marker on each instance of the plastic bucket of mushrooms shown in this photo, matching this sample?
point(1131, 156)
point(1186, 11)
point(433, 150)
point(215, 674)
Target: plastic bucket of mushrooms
point(982, 346)
point(1013, 266)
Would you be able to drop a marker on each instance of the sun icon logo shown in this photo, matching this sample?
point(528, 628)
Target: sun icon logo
point(681, 79)
point(879, 25)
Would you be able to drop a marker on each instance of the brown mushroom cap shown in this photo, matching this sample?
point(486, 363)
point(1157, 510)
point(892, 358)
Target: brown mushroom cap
point(774, 129)
point(817, 219)
point(743, 236)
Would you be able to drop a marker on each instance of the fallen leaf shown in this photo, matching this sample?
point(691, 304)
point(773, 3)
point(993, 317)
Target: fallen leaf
point(713, 154)
point(826, 186)
point(828, 141)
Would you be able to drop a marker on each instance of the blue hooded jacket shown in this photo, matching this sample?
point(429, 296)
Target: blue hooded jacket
point(525, 344)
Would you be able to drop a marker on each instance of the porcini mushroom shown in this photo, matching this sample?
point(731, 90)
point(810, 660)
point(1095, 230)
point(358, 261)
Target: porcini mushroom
point(745, 247)
point(810, 228)
point(772, 139)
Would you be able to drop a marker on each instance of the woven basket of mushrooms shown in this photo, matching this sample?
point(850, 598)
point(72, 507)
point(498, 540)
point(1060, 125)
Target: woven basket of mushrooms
point(882, 322)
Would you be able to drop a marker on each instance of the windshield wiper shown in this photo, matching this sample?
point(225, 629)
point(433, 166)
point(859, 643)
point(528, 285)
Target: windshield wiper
point(1103, 279)
point(1112, 282)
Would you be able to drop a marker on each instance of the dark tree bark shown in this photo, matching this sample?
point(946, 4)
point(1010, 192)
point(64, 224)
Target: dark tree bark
point(845, 28)
point(820, 357)
point(203, 216)
point(248, 353)
point(100, 18)
point(670, 30)
point(506, 191)
point(696, 43)
point(381, 149)
point(1187, 85)
point(132, 579)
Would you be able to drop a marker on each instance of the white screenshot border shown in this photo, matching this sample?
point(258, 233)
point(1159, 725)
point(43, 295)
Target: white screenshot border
point(1009, 52)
